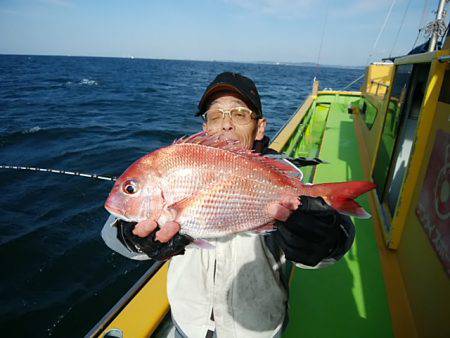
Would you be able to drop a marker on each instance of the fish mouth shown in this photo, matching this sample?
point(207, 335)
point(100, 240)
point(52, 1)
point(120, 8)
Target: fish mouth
point(122, 222)
point(118, 214)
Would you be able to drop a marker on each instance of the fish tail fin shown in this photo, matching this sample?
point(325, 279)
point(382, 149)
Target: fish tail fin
point(341, 195)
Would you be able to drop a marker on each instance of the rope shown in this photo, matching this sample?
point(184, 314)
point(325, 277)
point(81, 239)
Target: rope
point(437, 26)
point(351, 83)
point(56, 171)
point(400, 27)
point(321, 40)
point(381, 30)
point(417, 38)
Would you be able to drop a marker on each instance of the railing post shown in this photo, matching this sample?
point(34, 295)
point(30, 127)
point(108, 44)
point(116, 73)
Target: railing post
point(315, 88)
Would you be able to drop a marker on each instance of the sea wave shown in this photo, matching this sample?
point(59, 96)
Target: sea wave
point(82, 82)
point(32, 130)
point(39, 134)
point(88, 82)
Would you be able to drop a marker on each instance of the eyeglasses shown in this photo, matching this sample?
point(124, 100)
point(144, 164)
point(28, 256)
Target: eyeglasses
point(239, 115)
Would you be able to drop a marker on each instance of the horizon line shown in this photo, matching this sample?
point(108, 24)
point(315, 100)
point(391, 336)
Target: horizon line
point(280, 63)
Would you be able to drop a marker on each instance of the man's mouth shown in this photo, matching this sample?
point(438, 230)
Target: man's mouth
point(229, 137)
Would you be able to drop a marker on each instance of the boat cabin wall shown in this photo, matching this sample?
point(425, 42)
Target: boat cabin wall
point(371, 110)
point(378, 79)
point(406, 144)
point(421, 231)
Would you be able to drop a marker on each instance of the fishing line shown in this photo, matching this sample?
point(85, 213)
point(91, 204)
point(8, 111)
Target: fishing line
point(421, 23)
point(354, 81)
point(57, 171)
point(383, 26)
point(399, 28)
point(321, 42)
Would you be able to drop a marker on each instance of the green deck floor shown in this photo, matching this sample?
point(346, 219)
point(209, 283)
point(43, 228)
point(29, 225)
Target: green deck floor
point(347, 299)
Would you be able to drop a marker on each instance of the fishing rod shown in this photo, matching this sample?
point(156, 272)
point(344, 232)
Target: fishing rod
point(57, 171)
point(299, 162)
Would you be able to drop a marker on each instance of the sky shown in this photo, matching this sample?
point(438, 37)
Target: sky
point(334, 32)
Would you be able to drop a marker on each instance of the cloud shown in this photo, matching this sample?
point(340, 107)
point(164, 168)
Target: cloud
point(8, 11)
point(301, 8)
point(61, 3)
point(364, 7)
point(279, 8)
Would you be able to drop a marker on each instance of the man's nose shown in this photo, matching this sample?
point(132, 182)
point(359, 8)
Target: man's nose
point(227, 124)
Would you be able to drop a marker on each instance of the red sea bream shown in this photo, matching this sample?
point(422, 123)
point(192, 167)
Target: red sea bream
point(213, 188)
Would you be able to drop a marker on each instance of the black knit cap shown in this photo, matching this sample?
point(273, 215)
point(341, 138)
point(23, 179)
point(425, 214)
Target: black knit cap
point(237, 83)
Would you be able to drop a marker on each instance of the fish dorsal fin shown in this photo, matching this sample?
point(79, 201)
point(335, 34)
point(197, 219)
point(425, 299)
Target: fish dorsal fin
point(214, 141)
point(279, 165)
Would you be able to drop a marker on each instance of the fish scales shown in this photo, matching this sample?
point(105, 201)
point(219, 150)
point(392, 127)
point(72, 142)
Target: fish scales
point(229, 201)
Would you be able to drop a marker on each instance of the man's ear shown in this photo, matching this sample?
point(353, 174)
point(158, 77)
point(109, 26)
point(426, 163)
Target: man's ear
point(261, 129)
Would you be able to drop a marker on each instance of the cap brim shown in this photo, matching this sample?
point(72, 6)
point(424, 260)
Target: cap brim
point(218, 88)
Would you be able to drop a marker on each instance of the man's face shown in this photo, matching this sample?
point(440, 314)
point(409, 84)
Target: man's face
point(227, 128)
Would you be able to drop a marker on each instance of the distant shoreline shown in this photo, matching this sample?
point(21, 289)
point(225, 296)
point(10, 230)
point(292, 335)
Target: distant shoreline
point(273, 63)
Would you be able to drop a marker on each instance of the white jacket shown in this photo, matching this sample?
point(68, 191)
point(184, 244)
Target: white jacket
point(240, 281)
point(243, 280)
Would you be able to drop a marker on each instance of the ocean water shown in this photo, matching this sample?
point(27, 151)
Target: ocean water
point(96, 115)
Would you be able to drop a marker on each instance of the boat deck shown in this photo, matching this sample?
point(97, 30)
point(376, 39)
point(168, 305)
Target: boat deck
point(349, 298)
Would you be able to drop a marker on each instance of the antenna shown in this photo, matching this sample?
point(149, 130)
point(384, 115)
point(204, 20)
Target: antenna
point(437, 27)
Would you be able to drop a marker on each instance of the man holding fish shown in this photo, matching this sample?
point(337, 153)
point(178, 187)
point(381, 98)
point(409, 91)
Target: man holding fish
point(229, 218)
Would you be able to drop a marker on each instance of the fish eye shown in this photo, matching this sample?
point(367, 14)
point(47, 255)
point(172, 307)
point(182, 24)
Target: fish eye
point(130, 187)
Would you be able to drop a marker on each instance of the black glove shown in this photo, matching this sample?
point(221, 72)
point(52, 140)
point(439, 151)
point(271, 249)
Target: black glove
point(313, 232)
point(149, 245)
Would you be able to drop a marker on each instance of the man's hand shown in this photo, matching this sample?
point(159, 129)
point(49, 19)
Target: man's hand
point(313, 232)
point(165, 234)
point(159, 244)
point(281, 211)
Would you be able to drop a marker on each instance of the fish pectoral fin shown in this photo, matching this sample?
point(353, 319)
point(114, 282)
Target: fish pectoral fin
point(182, 204)
point(186, 202)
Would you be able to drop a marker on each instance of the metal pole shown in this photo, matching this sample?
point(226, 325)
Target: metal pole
point(435, 35)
